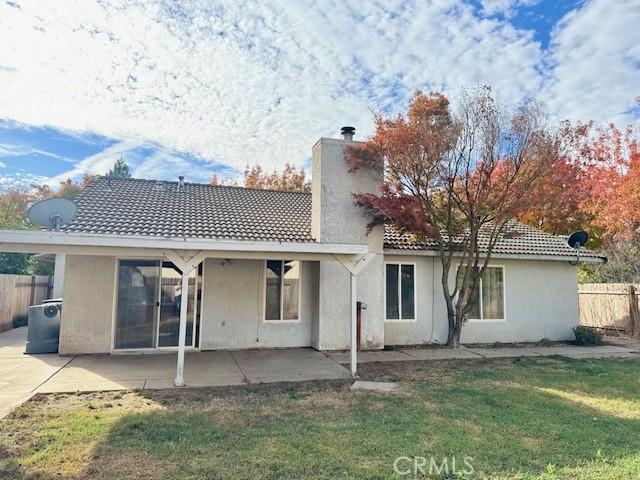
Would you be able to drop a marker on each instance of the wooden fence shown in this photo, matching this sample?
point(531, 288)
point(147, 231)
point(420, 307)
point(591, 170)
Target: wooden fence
point(18, 292)
point(611, 306)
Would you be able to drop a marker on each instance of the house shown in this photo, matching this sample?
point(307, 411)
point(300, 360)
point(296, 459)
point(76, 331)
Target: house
point(271, 269)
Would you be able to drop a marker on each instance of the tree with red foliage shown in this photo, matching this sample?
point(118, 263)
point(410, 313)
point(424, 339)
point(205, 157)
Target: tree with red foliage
point(458, 178)
point(593, 185)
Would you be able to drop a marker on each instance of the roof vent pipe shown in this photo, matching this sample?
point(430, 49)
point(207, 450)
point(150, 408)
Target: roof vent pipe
point(348, 133)
point(181, 183)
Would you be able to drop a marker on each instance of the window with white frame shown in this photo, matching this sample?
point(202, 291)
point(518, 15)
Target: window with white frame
point(488, 302)
point(400, 292)
point(282, 291)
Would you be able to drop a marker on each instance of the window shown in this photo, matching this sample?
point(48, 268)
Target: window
point(488, 303)
point(400, 291)
point(282, 292)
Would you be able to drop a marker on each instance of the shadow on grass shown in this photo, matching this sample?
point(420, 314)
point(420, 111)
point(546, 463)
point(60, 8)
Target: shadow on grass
point(505, 420)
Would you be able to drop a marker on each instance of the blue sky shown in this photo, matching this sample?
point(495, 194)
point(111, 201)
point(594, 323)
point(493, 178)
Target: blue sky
point(202, 88)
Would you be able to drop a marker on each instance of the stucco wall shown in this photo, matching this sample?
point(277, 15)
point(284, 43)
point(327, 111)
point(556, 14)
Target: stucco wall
point(336, 218)
point(87, 312)
point(541, 301)
point(233, 307)
point(423, 329)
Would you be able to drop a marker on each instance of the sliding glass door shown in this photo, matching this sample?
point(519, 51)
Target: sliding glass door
point(149, 299)
point(136, 325)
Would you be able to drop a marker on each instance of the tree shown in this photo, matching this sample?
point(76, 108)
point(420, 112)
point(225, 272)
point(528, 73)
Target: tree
point(593, 185)
point(615, 183)
point(622, 266)
point(290, 179)
point(458, 178)
point(557, 201)
point(120, 169)
point(14, 204)
point(15, 263)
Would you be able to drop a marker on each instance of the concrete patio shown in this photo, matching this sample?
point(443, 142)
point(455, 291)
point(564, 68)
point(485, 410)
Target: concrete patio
point(21, 376)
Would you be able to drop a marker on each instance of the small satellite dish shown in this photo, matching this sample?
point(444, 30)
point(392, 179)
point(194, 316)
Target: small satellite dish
point(52, 212)
point(577, 240)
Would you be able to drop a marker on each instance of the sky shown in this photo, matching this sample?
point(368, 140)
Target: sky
point(198, 88)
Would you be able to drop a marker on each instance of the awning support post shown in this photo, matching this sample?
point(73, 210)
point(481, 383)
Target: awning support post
point(355, 265)
point(186, 266)
point(182, 334)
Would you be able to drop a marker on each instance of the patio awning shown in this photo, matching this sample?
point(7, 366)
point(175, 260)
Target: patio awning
point(187, 253)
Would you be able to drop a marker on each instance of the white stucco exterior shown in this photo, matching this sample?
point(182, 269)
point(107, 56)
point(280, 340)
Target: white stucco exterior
point(541, 302)
point(233, 307)
point(87, 311)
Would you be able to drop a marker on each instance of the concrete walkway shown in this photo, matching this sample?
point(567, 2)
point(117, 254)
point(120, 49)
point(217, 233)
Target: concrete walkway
point(442, 353)
point(22, 375)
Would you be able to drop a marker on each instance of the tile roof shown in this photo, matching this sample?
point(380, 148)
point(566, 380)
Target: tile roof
point(153, 208)
point(521, 240)
point(128, 206)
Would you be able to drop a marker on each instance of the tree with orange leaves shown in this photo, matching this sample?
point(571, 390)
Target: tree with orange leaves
point(458, 178)
point(289, 179)
point(594, 184)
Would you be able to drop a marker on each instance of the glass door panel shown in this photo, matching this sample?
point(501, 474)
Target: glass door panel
point(136, 323)
point(170, 299)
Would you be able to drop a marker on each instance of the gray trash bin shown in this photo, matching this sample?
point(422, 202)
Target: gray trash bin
point(43, 332)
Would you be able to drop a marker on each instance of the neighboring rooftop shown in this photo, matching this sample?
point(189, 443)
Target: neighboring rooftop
point(125, 206)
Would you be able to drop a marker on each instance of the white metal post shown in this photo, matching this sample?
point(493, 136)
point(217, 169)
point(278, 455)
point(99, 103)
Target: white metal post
point(354, 313)
point(184, 299)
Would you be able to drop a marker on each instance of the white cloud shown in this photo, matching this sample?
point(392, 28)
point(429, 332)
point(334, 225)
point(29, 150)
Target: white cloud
point(243, 83)
point(99, 163)
point(22, 181)
point(3, 165)
point(260, 81)
point(505, 7)
point(595, 61)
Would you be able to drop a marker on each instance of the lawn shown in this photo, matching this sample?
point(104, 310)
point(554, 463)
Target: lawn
point(545, 418)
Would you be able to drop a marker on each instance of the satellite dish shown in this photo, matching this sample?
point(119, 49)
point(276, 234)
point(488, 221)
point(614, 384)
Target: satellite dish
point(53, 212)
point(577, 240)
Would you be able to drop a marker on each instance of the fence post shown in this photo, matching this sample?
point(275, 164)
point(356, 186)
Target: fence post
point(32, 295)
point(634, 314)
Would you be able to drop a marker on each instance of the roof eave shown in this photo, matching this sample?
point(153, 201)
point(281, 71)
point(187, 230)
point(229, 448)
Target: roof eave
point(505, 256)
point(86, 243)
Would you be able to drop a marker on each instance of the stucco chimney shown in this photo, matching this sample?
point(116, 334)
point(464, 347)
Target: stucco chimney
point(335, 217)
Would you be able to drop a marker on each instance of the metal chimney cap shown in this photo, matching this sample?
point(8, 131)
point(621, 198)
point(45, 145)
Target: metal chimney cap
point(348, 133)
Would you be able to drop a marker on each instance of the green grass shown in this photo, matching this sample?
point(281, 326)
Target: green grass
point(517, 419)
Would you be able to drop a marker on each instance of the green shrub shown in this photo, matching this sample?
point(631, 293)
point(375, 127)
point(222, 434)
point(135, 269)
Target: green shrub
point(587, 335)
point(19, 320)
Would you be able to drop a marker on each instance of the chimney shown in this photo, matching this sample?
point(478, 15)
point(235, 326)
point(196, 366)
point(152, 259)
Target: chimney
point(348, 133)
point(181, 183)
point(335, 218)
